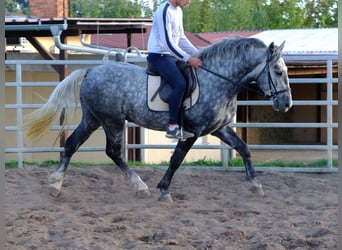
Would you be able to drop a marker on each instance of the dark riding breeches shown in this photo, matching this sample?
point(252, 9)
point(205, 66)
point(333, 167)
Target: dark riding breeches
point(167, 68)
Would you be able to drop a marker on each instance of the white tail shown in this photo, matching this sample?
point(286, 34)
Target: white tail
point(64, 97)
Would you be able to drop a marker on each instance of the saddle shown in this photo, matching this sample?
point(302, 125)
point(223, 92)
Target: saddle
point(165, 88)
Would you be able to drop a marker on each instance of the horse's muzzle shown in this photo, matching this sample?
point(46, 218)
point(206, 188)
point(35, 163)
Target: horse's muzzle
point(282, 102)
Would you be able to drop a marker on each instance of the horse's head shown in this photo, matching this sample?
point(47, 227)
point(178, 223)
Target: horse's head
point(273, 79)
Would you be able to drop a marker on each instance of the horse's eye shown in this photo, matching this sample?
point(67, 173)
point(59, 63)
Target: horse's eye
point(279, 73)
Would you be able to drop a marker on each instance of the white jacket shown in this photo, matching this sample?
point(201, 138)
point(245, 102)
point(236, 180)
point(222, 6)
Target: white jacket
point(167, 33)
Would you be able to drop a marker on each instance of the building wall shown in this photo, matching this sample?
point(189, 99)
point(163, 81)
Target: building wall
point(49, 8)
point(47, 43)
point(160, 155)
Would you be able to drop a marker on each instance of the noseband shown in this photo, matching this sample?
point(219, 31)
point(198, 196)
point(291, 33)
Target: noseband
point(272, 87)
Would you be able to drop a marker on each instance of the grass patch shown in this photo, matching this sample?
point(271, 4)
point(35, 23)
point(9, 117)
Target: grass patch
point(236, 162)
point(48, 163)
point(202, 162)
point(11, 164)
point(279, 163)
point(321, 163)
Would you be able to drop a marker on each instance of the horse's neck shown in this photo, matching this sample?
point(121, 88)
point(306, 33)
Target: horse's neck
point(226, 80)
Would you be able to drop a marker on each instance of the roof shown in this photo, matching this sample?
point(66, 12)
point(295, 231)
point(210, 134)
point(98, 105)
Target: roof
point(33, 27)
point(138, 40)
point(303, 41)
point(199, 40)
point(212, 37)
point(297, 41)
point(26, 26)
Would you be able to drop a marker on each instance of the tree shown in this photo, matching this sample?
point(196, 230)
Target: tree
point(220, 15)
point(321, 14)
point(108, 9)
point(191, 16)
point(10, 6)
point(16, 6)
point(212, 15)
point(284, 14)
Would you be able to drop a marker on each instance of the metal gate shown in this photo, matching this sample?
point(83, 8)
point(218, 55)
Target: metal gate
point(329, 103)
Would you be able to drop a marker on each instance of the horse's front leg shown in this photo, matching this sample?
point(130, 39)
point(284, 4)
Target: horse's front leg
point(228, 135)
point(177, 157)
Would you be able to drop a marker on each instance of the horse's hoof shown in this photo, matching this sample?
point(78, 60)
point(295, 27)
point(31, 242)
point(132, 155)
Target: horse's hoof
point(140, 188)
point(256, 188)
point(165, 197)
point(54, 190)
point(55, 184)
point(144, 193)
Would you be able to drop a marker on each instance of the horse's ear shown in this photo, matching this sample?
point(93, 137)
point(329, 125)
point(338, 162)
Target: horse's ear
point(273, 50)
point(281, 47)
point(270, 51)
point(271, 46)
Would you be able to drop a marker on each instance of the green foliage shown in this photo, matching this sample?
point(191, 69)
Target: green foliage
point(320, 13)
point(236, 162)
point(321, 163)
point(222, 15)
point(279, 163)
point(16, 6)
point(48, 163)
point(212, 15)
point(11, 164)
point(108, 9)
point(10, 6)
point(203, 162)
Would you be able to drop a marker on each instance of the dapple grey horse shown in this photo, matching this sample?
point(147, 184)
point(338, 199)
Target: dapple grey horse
point(112, 93)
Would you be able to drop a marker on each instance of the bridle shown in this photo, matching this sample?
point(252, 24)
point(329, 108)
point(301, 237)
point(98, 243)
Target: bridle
point(273, 90)
point(272, 87)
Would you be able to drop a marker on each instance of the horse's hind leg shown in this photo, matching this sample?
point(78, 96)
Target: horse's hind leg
point(114, 151)
point(228, 135)
point(87, 126)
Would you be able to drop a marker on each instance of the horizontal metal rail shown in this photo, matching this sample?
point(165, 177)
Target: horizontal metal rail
point(172, 146)
point(239, 103)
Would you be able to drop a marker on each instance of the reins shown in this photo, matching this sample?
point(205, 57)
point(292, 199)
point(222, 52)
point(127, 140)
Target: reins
point(258, 92)
point(272, 87)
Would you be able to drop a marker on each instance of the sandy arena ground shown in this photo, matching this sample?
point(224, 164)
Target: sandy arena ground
point(212, 210)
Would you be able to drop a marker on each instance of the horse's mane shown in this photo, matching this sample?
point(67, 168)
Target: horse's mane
point(238, 48)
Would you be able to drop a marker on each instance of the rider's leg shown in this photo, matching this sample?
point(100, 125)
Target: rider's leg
point(167, 68)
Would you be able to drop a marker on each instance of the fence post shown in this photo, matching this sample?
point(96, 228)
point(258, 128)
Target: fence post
point(329, 113)
point(20, 144)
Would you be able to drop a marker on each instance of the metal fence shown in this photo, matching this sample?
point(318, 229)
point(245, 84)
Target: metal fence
point(329, 147)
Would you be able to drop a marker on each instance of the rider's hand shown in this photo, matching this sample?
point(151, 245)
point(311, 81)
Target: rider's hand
point(194, 61)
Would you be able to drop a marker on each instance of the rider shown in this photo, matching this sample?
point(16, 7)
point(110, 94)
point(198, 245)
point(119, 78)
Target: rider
point(167, 44)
